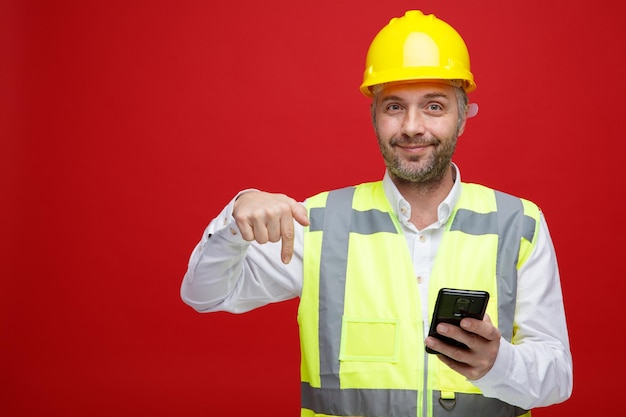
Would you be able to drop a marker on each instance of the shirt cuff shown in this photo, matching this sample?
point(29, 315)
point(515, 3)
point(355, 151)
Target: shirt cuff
point(224, 224)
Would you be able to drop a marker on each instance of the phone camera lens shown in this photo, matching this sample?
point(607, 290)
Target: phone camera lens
point(461, 306)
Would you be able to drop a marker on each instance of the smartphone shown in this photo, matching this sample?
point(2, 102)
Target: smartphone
point(454, 304)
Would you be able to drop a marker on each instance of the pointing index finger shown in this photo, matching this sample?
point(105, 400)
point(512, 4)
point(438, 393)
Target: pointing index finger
point(298, 212)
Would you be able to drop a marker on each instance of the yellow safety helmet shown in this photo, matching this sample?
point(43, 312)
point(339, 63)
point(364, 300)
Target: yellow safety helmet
point(417, 47)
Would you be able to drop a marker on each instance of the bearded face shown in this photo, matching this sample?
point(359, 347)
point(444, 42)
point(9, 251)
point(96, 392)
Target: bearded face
point(417, 126)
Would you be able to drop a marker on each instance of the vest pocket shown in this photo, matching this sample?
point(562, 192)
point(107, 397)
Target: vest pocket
point(369, 340)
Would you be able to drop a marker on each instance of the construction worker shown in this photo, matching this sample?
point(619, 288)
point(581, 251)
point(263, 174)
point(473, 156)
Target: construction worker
point(367, 261)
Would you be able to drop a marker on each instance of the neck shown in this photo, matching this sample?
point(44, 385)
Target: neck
point(425, 198)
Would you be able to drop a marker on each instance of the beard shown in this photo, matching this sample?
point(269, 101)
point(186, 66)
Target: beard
point(430, 170)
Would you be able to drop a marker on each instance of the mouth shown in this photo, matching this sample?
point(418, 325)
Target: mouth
point(413, 147)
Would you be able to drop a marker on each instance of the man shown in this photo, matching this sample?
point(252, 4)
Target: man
point(367, 261)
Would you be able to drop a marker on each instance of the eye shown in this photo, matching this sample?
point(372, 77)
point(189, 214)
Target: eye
point(434, 107)
point(393, 107)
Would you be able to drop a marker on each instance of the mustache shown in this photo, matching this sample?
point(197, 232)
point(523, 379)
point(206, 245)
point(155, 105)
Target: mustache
point(419, 141)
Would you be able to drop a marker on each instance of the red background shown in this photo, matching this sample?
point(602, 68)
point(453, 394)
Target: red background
point(127, 125)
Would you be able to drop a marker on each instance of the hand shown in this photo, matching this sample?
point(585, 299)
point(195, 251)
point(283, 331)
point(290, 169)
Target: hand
point(482, 339)
point(266, 217)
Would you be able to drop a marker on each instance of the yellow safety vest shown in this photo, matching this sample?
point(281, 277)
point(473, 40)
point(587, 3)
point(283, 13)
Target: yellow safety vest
point(361, 332)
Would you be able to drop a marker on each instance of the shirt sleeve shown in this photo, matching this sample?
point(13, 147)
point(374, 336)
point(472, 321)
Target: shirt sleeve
point(227, 273)
point(535, 370)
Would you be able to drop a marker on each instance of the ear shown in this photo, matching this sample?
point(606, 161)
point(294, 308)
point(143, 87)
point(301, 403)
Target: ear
point(472, 110)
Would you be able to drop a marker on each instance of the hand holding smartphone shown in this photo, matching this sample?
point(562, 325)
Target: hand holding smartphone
point(451, 306)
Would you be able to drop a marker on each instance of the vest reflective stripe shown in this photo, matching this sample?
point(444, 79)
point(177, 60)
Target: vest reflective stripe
point(479, 406)
point(333, 265)
point(511, 226)
point(359, 402)
point(397, 403)
point(330, 398)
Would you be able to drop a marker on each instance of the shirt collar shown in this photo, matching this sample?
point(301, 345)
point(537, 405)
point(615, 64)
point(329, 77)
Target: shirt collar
point(403, 210)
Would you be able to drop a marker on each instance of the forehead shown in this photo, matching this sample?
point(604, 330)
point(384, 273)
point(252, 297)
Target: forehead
point(418, 89)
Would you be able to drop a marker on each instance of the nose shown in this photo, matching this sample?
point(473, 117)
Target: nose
point(413, 123)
